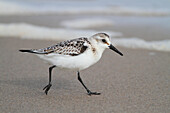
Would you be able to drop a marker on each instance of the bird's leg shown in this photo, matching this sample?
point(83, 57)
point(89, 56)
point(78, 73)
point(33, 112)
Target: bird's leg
point(88, 91)
point(47, 88)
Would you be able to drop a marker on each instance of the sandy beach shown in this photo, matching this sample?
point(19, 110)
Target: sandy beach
point(136, 82)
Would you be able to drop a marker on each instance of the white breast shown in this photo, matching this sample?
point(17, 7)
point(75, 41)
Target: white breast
point(79, 62)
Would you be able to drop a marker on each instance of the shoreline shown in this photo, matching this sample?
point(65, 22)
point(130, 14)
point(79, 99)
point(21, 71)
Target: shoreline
point(147, 28)
point(136, 82)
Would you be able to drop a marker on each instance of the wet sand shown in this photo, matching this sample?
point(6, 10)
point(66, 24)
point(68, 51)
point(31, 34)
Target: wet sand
point(138, 82)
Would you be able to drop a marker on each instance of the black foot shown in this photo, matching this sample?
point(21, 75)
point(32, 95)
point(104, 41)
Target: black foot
point(92, 93)
point(47, 88)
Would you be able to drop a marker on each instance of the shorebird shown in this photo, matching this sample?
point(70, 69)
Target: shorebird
point(77, 54)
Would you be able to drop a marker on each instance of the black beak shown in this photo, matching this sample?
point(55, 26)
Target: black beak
point(114, 49)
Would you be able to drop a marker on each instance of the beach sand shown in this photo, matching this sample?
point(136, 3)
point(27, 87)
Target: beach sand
point(138, 82)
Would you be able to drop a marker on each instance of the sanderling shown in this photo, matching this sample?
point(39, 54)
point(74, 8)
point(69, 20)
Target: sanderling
point(77, 54)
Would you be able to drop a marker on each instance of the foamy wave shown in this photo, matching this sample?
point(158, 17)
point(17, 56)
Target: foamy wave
point(8, 8)
point(87, 23)
point(137, 11)
point(11, 8)
point(27, 31)
point(162, 45)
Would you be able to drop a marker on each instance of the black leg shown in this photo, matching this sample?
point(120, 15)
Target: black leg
point(47, 88)
point(88, 91)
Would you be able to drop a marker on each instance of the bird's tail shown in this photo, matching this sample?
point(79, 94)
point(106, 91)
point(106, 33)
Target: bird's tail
point(32, 51)
point(28, 51)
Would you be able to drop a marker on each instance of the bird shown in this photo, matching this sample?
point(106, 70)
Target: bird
point(75, 54)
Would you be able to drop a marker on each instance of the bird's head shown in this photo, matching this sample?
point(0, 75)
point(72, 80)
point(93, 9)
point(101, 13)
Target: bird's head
point(103, 40)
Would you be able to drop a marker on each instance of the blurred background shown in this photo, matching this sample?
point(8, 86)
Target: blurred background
point(138, 82)
point(131, 23)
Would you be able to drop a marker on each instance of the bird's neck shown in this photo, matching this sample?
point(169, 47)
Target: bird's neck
point(98, 49)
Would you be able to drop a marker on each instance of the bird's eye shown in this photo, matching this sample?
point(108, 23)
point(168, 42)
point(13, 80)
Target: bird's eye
point(103, 40)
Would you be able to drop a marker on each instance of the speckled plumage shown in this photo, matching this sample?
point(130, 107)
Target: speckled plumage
point(77, 54)
point(70, 47)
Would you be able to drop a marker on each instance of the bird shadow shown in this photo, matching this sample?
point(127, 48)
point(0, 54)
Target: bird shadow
point(37, 84)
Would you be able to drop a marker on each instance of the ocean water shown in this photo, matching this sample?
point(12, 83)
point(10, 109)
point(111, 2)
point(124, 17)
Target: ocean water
point(83, 26)
point(88, 23)
point(110, 7)
point(27, 31)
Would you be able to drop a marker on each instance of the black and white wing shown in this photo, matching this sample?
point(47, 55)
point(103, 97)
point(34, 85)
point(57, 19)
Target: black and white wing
point(70, 47)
